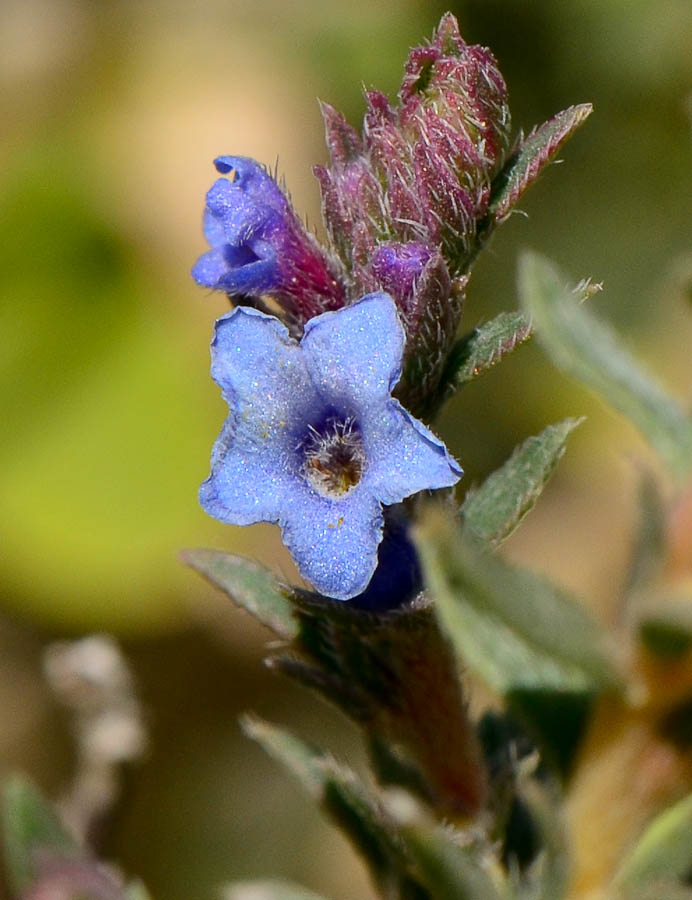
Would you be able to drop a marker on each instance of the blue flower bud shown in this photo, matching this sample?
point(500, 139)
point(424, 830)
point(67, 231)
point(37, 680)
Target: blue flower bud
point(260, 247)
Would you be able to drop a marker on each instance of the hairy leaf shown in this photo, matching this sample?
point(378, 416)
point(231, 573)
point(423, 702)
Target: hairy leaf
point(483, 348)
point(534, 153)
point(495, 509)
point(548, 877)
point(395, 673)
point(589, 351)
point(356, 810)
point(514, 629)
point(248, 585)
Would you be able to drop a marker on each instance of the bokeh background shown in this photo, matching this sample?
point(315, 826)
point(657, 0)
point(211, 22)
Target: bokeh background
point(111, 114)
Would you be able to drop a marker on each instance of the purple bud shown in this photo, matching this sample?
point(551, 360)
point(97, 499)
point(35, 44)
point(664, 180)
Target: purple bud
point(397, 268)
point(259, 246)
point(343, 141)
point(423, 170)
point(462, 84)
point(433, 313)
point(350, 203)
point(416, 276)
point(403, 204)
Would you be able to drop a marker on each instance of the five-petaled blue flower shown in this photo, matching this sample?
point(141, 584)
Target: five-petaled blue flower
point(315, 441)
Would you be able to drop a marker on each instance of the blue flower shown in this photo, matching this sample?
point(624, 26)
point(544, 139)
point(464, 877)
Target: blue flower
point(259, 245)
point(314, 440)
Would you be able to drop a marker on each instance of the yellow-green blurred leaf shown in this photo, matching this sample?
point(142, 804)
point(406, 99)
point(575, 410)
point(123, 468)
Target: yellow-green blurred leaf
point(663, 852)
point(248, 585)
point(503, 620)
point(30, 826)
point(590, 352)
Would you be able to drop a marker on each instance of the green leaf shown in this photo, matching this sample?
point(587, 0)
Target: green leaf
point(353, 808)
point(298, 757)
point(29, 824)
point(663, 852)
point(248, 585)
point(483, 348)
point(589, 351)
point(514, 629)
point(534, 153)
point(450, 871)
point(495, 509)
point(268, 890)
point(665, 628)
point(650, 540)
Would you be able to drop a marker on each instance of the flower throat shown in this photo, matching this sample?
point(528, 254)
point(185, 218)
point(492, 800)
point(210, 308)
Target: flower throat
point(334, 457)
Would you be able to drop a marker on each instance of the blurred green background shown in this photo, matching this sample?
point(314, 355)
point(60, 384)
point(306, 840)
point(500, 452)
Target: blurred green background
point(112, 113)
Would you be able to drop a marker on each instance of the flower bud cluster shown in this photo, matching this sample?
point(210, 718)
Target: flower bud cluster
point(403, 203)
point(422, 171)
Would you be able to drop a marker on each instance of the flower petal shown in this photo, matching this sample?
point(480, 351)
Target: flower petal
point(242, 217)
point(251, 278)
point(404, 456)
point(269, 393)
point(354, 354)
point(262, 374)
point(247, 482)
point(277, 390)
point(252, 179)
point(210, 268)
point(213, 229)
point(334, 543)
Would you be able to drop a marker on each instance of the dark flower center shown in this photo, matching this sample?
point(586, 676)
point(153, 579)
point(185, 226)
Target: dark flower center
point(333, 457)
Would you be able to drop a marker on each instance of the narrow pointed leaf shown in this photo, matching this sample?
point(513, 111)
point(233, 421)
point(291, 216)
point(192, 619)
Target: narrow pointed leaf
point(29, 826)
point(663, 852)
point(450, 871)
point(503, 620)
point(484, 347)
point(534, 153)
point(494, 510)
point(588, 350)
point(268, 890)
point(298, 757)
point(248, 585)
point(352, 807)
